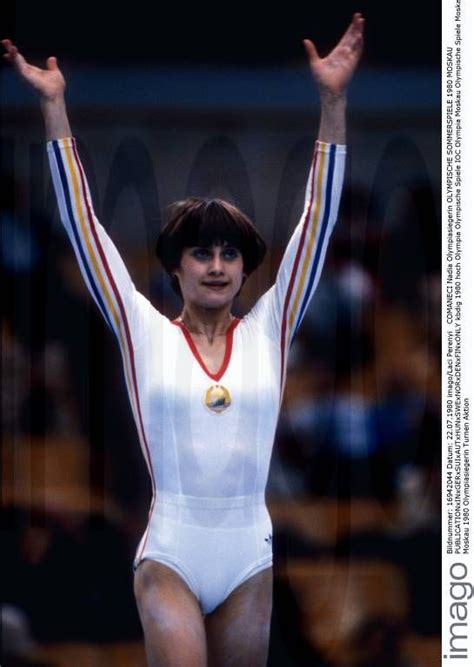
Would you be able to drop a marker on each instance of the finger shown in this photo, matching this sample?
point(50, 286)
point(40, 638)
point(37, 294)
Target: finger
point(357, 37)
point(17, 58)
point(359, 23)
point(9, 47)
point(12, 51)
point(311, 49)
point(354, 31)
point(52, 63)
point(13, 55)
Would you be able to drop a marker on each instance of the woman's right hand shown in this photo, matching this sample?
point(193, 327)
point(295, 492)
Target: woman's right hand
point(49, 83)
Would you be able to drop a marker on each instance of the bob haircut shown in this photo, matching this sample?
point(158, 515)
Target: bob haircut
point(196, 221)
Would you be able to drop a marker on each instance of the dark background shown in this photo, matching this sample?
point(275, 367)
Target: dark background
point(242, 33)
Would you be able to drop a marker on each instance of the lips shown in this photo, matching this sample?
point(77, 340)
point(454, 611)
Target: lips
point(215, 284)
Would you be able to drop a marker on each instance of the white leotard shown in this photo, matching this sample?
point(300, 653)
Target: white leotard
point(208, 465)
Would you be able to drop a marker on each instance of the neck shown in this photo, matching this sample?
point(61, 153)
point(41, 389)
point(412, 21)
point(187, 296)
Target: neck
point(205, 321)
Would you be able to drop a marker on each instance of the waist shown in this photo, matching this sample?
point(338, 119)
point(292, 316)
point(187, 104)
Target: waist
point(209, 502)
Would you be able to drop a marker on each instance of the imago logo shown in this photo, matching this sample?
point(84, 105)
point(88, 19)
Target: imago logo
point(460, 591)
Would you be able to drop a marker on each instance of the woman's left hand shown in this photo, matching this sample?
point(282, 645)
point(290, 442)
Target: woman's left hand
point(333, 73)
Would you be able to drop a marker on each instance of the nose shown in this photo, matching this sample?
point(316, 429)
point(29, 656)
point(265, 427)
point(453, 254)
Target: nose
point(215, 265)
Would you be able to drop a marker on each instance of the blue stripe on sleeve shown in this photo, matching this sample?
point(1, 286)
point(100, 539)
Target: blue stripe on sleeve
point(65, 184)
point(324, 224)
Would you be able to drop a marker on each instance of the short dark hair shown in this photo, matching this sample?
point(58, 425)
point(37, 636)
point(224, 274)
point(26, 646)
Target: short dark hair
point(197, 221)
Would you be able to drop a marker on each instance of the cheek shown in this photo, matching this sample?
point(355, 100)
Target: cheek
point(238, 268)
point(238, 277)
point(188, 271)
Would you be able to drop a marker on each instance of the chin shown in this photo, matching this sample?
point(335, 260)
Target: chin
point(217, 301)
point(216, 304)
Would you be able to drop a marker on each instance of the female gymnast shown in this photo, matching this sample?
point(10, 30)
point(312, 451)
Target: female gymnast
point(206, 388)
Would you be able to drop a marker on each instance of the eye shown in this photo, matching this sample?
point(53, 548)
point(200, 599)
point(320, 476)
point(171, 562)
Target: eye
point(231, 252)
point(200, 253)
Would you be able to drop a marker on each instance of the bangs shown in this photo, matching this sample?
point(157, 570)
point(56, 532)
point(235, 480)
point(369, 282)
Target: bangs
point(214, 223)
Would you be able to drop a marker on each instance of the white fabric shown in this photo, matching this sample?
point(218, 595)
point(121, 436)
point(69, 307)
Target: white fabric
point(208, 519)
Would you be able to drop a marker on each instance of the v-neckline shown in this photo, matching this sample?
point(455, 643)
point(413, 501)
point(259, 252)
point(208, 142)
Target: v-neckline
point(229, 340)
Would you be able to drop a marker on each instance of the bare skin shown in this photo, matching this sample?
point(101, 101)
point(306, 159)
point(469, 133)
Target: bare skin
point(238, 631)
point(171, 618)
point(236, 634)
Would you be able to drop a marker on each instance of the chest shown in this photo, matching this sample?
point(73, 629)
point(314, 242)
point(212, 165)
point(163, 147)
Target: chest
point(210, 354)
point(182, 396)
point(244, 360)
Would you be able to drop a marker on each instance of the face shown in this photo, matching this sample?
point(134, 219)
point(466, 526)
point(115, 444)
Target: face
point(210, 276)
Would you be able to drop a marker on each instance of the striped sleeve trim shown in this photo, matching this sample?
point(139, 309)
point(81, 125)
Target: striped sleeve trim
point(77, 214)
point(309, 257)
point(80, 218)
point(318, 233)
point(66, 184)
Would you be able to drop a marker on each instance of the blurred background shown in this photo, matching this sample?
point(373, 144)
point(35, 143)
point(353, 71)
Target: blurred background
point(218, 101)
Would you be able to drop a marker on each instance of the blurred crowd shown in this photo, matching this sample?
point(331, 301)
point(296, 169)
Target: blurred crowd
point(360, 421)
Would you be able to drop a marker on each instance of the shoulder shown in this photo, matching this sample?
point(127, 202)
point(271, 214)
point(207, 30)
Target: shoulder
point(147, 318)
point(254, 326)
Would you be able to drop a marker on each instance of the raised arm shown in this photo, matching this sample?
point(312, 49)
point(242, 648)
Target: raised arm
point(50, 85)
point(281, 309)
point(332, 75)
point(101, 265)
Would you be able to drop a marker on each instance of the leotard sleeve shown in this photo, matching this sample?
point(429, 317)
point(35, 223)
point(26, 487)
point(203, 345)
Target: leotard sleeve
point(280, 310)
point(122, 306)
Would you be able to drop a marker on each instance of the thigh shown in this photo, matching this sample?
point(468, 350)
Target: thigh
point(238, 631)
point(171, 617)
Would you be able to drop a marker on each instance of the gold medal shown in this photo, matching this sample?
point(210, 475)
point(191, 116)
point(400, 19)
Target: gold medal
point(217, 398)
